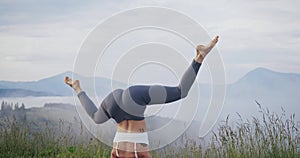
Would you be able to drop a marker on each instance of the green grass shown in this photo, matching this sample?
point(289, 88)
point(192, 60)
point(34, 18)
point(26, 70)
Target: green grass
point(17, 140)
point(271, 136)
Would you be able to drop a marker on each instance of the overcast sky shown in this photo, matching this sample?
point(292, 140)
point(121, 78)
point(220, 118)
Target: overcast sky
point(40, 38)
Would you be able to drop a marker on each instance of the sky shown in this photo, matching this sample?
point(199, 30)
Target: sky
point(41, 38)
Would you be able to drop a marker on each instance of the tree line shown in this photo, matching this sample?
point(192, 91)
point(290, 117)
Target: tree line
point(6, 107)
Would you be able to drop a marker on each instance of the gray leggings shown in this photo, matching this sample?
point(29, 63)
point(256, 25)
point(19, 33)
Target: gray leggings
point(130, 104)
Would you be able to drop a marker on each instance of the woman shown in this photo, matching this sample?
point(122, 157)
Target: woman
point(127, 107)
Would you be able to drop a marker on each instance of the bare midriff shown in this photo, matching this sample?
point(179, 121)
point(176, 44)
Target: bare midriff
point(132, 126)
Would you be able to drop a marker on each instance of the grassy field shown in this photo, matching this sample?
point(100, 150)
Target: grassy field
point(272, 135)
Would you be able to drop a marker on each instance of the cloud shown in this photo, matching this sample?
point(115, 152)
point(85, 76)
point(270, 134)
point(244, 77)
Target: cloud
point(40, 33)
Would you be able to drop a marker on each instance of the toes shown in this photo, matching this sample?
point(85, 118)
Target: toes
point(68, 81)
point(215, 40)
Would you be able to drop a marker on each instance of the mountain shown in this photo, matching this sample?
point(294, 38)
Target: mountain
point(53, 86)
point(267, 80)
point(263, 82)
point(274, 90)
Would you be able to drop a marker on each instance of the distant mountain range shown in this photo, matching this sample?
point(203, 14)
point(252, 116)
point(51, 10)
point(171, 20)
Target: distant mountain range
point(52, 86)
point(274, 90)
point(258, 82)
point(270, 88)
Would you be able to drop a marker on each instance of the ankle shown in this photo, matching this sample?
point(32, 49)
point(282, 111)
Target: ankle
point(78, 90)
point(199, 58)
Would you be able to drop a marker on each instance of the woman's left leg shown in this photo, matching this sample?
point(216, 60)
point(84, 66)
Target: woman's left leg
point(158, 94)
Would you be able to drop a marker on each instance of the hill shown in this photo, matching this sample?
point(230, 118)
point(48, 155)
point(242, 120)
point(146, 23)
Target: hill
point(53, 86)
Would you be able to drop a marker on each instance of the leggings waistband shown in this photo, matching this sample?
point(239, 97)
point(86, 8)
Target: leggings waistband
point(131, 137)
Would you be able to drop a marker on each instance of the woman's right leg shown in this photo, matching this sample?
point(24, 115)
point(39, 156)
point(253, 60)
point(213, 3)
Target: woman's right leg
point(97, 114)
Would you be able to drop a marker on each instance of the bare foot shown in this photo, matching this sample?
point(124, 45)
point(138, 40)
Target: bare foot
point(202, 50)
point(75, 85)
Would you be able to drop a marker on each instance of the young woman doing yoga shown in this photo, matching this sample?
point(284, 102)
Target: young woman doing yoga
point(127, 106)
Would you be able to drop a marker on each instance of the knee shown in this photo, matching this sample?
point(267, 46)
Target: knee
point(183, 95)
point(179, 93)
point(99, 117)
point(98, 121)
